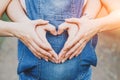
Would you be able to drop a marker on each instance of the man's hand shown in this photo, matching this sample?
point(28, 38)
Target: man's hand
point(87, 29)
point(26, 32)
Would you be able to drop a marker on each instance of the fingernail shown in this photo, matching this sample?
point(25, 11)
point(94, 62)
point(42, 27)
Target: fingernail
point(55, 33)
point(47, 21)
point(46, 60)
point(57, 62)
point(76, 55)
point(63, 61)
point(70, 58)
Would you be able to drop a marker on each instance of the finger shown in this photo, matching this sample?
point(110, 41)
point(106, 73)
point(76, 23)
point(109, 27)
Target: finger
point(71, 43)
point(38, 41)
point(42, 34)
point(40, 55)
point(54, 54)
point(40, 50)
point(61, 54)
point(71, 32)
point(73, 20)
point(27, 43)
point(78, 51)
point(39, 22)
point(64, 59)
point(62, 27)
point(66, 48)
point(43, 37)
point(32, 47)
point(51, 29)
point(70, 54)
point(74, 48)
point(36, 53)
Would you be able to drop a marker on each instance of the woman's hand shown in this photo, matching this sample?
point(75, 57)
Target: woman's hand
point(72, 30)
point(87, 29)
point(26, 32)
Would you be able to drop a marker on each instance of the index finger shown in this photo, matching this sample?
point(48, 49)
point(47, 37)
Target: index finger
point(73, 42)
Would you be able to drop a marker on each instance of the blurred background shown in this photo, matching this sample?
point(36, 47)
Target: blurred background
point(108, 52)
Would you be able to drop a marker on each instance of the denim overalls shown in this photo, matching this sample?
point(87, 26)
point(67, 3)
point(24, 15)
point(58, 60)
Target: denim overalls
point(32, 68)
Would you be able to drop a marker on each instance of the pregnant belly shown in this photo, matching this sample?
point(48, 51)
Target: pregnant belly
point(42, 70)
point(57, 42)
point(64, 71)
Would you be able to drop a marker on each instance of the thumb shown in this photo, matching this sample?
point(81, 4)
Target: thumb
point(40, 22)
point(61, 28)
point(51, 29)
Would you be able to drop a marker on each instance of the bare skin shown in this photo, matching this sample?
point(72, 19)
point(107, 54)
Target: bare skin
point(88, 13)
point(26, 32)
point(84, 29)
point(90, 27)
point(64, 26)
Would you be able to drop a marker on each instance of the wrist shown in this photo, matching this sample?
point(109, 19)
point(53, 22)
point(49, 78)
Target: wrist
point(99, 24)
point(6, 29)
point(23, 20)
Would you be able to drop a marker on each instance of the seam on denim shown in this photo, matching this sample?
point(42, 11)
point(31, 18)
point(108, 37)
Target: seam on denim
point(38, 66)
point(73, 8)
point(39, 9)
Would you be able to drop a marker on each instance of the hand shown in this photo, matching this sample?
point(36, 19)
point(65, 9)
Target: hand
point(41, 32)
point(87, 29)
point(26, 32)
point(72, 30)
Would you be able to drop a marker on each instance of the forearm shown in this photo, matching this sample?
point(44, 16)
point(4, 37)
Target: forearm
point(112, 20)
point(15, 12)
point(3, 6)
point(6, 28)
point(109, 22)
point(92, 8)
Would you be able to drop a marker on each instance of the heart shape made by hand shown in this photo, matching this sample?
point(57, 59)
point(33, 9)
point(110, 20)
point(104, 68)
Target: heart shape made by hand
point(69, 27)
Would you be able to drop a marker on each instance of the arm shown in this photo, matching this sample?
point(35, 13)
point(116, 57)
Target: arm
point(90, 27)
point(3, 6)
point(16, 13)
point(25, 30)
point(112, 20)
point(3, 28)
point(88, 13)
point(88, 10)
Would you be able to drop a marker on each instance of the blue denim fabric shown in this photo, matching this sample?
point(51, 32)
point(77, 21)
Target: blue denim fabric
point(78, 68)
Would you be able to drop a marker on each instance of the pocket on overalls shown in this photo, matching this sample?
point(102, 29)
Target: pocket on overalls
point(30, 74)
point(27, 61)
point(88, 55)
